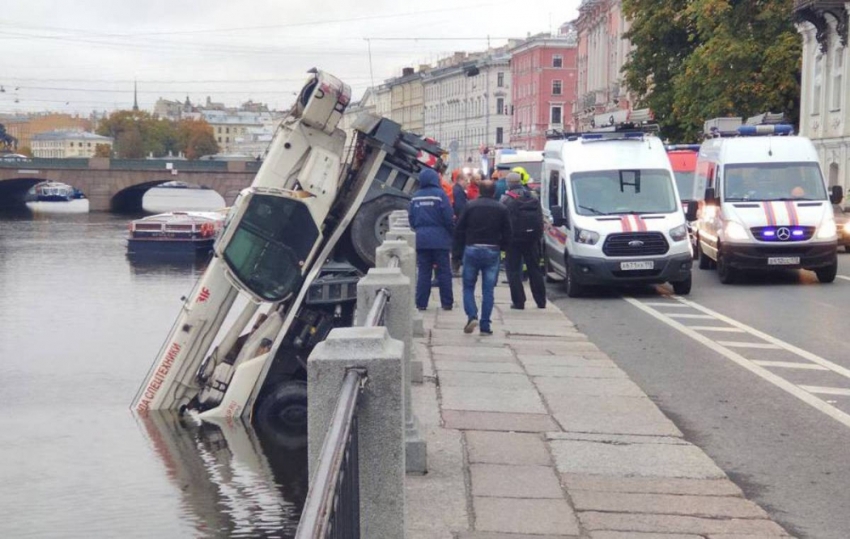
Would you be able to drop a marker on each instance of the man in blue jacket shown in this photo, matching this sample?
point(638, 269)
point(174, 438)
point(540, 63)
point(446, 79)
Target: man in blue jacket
point(431, 217)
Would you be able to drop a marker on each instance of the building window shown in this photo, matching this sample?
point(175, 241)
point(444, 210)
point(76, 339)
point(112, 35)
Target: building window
point(500, 134)
point(227, 130)
point(816, 90)
point(500, 79)
point(556, 87)
point(557, 61)
point(219, 132)
point(555, 115)
point(500, 105)
point(219, 138)
point(838, 70)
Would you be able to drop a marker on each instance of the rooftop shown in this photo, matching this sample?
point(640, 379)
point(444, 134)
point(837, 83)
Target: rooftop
point(71, 135)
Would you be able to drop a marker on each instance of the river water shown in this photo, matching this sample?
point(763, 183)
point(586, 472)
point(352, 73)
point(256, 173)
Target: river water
point(79, 327)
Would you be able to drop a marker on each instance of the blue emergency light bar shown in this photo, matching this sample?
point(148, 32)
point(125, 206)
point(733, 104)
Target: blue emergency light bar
point(683, 147)
point(756, 130)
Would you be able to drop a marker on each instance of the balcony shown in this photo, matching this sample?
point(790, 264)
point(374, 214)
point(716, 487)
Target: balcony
point(815, 12)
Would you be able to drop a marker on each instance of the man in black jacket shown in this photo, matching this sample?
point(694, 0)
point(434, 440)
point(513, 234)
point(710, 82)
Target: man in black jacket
point(483, 231)
point(526, 218)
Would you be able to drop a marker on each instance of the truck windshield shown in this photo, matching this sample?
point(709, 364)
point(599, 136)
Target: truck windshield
point(270, 246)
point(612, 192)
point(773, 181)
point(685, 184)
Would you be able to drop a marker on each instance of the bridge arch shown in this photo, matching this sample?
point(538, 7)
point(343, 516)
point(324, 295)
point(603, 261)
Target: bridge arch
point(132, 199)
point(13, 191)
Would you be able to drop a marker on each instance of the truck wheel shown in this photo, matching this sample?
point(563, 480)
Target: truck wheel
point(724, 272)
point(572, 288)
point(827, 274)
point(371, 225)
point(282, 415)
point(683, 288)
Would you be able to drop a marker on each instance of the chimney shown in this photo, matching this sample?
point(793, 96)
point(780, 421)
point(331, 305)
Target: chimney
point(406, 71)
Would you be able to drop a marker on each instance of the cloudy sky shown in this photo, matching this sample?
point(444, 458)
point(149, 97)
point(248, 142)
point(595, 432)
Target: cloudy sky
point(83, 55)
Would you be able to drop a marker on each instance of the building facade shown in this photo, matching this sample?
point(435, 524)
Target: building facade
point(406, 100)
point(231, 129)
point(24, 127)
point(66, 144)
point(824, 106)
point(468, 104)
point(544, 75)
point(602, 51)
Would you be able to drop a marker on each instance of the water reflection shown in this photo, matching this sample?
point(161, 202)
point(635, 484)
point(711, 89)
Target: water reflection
point(227, 485)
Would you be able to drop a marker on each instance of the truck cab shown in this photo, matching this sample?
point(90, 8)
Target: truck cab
point(766, 205)
point(612, 213)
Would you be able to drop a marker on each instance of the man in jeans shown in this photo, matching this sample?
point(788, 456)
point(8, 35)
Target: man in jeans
point(483, 231)
point(432, 219)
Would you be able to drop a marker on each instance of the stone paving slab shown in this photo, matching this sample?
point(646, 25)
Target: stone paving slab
point(616, 439)
point(564, 361)
point(651, 485)
point(507, 448)
point(511, 481)
point(490, 421)
point(487, 399)
point(615, 415)
point(550, 371)
point(491, 535)
point(637, 535)
point(678, 524)
point(511, 515)
point(505, 367)
point(667, 504)
point(485, 379)
point(467, 352)
point(587, 386)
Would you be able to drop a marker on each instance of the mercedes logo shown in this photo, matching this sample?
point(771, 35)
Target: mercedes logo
point(783, 234)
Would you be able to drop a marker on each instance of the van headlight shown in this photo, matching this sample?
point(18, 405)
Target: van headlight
point(827, 229)
point(679, 233)
point(846, 227)
point(586, 236)
point(735, 231)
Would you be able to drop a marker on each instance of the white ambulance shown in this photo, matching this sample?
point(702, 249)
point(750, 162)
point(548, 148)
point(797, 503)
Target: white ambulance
point(612, 213)
point(766, 205)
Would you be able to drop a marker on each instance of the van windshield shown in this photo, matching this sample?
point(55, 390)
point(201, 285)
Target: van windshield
point(686, 184)
point(773, 181)
point(270, 246)
point(613, 192)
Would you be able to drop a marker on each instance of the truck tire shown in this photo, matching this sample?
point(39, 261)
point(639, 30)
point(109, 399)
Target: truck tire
point(282, 414)
point(725, 273)
point(683, 288)
point(571, 287)
point(827, 274)
point(371, 224)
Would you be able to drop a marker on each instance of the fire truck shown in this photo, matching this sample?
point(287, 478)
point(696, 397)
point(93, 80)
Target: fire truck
point(285, 267)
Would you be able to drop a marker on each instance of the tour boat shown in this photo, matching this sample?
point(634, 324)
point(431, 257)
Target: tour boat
point(56, 197)
point(175, 233)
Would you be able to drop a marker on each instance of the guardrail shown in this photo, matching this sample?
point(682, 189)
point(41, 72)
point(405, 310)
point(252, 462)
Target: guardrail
point(78, 163)
point(362, 432)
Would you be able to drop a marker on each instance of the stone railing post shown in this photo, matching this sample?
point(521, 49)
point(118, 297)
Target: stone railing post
point(399, 324)
point(400, 230)
point(381, 419)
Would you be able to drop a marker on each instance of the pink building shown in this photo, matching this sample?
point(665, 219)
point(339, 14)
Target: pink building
point(602, 51)
point(543, 73)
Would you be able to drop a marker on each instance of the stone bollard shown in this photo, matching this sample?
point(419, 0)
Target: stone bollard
point(407, 263)
point(381, 419)
point(398, 323)
point(409, 236)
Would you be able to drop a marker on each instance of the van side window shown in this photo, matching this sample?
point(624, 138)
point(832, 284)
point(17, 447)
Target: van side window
point(554, 183)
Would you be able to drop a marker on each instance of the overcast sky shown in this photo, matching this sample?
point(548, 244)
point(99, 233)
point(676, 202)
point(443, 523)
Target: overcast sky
point(80, 55)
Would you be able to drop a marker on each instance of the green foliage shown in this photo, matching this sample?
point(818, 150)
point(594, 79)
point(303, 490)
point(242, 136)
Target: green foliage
point(703, 59)
point(103, 150)
point(137, 134)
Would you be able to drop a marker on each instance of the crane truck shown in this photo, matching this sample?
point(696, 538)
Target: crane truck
point(290, 251)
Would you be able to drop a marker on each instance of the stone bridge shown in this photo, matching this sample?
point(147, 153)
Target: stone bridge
point(119, 184)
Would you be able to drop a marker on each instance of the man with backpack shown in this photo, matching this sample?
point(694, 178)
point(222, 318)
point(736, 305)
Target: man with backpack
point(526, 217)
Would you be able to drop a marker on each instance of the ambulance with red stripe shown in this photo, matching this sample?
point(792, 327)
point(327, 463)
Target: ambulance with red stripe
point(766, 205)
point(612, 212)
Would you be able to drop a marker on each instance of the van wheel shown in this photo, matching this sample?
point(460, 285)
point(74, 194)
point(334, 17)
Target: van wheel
point(827, 274)
point(704, 262)
point(724, 272)
point(683, 288)
point(572, 288)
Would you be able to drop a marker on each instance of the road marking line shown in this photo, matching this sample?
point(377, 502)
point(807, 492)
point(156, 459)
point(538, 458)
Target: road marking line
point(789, 365)
point(692, 316)
point(843, 277)
point(814, 358)
point(774, 379)
point(827, 390)
point(664, 304)
point(717, 328)
point(759, 345)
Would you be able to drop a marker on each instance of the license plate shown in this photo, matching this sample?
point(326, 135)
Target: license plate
point(647, 265)
point(783, 261)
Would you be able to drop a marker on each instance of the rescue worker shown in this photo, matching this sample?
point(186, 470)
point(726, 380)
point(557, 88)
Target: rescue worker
point(500, 177)
point(458, 206)
point(430, 215)
point(526, 217)
point(483, 231)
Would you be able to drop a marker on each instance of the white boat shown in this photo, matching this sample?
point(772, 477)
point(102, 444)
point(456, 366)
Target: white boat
point(56, 197)
point(178, 234)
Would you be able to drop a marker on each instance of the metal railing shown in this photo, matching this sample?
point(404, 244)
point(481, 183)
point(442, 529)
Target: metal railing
point(332, 507)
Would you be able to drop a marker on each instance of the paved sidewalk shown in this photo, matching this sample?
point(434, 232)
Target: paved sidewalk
point(535, 433)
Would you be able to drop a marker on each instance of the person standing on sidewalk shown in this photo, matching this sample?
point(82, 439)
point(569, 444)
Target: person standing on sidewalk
point(484, 229)
point(526, 218)
point(430, 215)
point(459, 205)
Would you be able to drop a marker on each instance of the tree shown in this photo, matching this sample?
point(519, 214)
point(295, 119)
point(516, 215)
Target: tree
point(25, 150)
point(196, 138)
point(102, 150)
point(700, 59)
point(129, 144)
